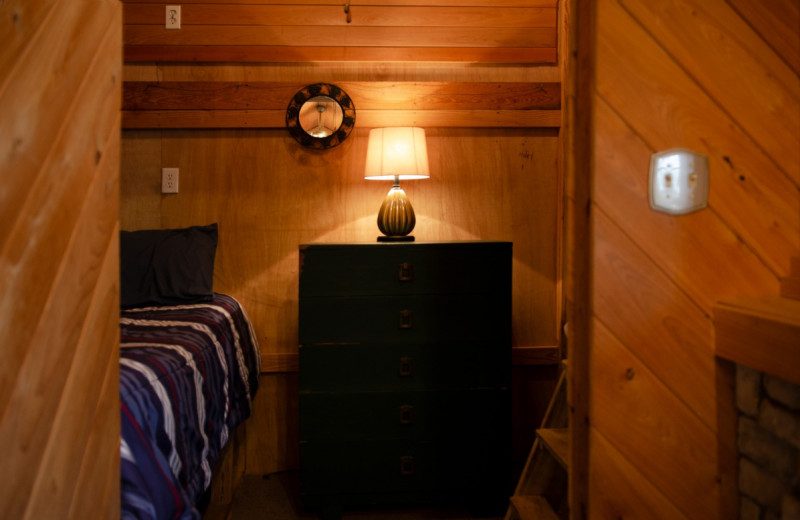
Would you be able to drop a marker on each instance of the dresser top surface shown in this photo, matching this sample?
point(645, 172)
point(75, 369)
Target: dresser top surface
point(404, 244)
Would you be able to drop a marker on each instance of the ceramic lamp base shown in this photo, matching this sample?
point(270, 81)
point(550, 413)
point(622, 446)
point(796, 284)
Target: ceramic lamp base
point(396, 217)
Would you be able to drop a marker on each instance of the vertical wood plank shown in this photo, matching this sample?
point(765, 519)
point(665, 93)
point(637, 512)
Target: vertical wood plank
point(578, 132)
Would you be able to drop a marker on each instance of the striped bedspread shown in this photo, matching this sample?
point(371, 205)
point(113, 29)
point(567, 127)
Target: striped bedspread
point(188, 374)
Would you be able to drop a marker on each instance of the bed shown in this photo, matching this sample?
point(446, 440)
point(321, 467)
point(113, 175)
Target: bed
point(189, 367)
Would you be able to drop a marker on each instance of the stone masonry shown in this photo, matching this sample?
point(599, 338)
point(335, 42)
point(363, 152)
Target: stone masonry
point(769, 446)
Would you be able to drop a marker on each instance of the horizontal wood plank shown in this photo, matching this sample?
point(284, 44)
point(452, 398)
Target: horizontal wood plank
point(370, 95)
point(762, 333)
point(366, 16)
point(539, 355)
point(450, 3)
point(133, 119)
point(283, 54)
point(279, 363)
point(341, 36)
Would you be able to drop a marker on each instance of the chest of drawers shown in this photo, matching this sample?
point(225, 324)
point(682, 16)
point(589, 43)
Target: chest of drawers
point(404, 373)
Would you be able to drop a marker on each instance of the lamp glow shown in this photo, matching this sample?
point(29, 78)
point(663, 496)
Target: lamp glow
point(395, 154)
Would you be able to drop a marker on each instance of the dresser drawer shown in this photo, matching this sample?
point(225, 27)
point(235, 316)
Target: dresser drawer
point(421, 415)
point(403, 319)
point(457, 267)
point(405, 470)
point(407, 366)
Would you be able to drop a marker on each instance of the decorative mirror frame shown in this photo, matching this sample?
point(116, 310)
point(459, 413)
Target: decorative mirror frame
point(312, 91)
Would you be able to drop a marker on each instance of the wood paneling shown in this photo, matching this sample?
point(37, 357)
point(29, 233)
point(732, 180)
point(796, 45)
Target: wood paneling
point(220, 104)
point(493, 142)
point(661, 406)
point(269, 195)
point(624, 391)
point(59, 136)
point(631, 495)
point(776, 21)
point(362, 15)
point(766, 87)
point(483, 32)
point(744, 178)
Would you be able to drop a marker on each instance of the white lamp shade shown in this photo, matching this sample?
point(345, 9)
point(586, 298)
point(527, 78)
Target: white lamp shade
point(397, 152)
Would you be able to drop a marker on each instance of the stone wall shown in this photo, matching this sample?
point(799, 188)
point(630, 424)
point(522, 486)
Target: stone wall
point(769, 446)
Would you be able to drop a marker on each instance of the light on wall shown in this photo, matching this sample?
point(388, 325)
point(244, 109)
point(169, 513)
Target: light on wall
point(394, 154)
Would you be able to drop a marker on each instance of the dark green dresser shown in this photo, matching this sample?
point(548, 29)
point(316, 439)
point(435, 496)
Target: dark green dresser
point(405, 362)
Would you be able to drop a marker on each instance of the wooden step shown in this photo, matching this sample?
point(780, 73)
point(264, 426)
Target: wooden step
point(556, 440)
point(762, 333)
point(533, 508)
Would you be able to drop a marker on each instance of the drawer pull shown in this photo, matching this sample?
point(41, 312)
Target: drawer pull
point(405, 319)
point(407, 465)
point(406, 366)
point(407, 414)
point(405, 272)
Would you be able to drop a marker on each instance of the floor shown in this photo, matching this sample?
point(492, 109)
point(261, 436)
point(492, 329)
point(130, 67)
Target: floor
point(275, 497)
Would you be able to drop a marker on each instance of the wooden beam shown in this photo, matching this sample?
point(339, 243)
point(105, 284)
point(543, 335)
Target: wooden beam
point(279, 54)
point(762, 333)
point(139, 119)
point(434, 95)
point(230, 104)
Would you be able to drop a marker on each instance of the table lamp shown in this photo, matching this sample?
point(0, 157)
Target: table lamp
point(394, 154)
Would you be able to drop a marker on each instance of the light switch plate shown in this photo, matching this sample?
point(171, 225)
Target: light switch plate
point(678, 181)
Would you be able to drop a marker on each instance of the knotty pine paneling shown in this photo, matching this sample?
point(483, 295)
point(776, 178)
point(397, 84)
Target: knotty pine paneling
point(481, 32)
point(660, 409)
point(59, 147)
point(776, 21)
point(269, 195)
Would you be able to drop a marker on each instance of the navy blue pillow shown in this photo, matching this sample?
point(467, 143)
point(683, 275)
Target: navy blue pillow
point(167, 266)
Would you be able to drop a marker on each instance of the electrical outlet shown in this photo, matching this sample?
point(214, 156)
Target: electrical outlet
point(173, 20)
point(169, 180)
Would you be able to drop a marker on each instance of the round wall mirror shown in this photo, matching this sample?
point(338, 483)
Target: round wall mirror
point(320, 116)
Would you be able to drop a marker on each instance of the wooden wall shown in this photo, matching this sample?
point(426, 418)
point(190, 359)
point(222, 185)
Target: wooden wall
point(60, 83)
point(489, 180)
point(719, 77)
point(496, 31)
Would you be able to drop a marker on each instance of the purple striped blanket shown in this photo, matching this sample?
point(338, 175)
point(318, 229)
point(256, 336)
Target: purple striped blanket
point(188, 374)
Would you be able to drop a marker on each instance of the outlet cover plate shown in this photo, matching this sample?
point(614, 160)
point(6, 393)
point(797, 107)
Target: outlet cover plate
point(678, 181)
point(169, 180)
point(173, 17)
